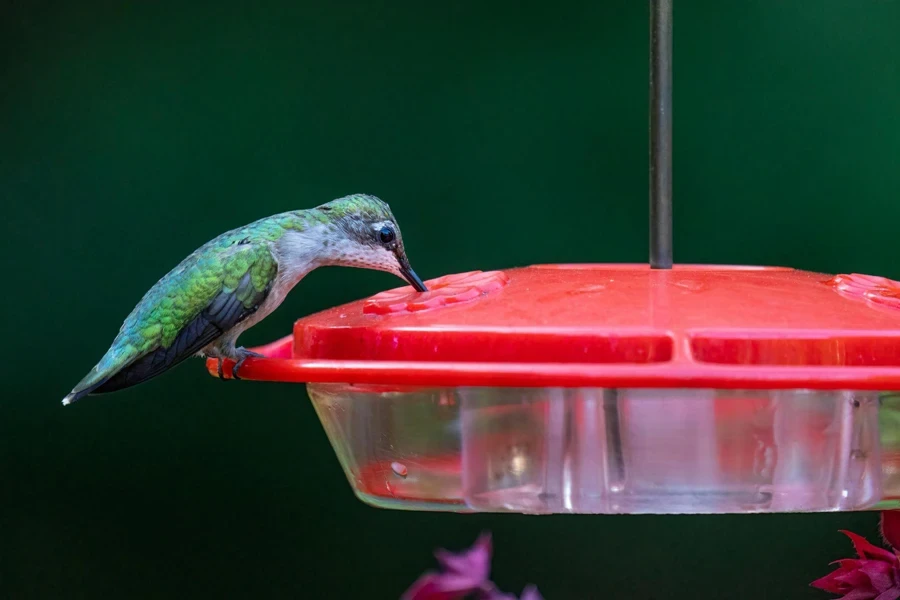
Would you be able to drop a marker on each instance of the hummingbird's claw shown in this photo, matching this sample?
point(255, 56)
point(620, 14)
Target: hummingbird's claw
point(244, 355)
point(220, 369)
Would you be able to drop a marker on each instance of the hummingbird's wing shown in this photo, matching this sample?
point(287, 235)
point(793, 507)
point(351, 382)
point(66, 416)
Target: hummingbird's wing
point(191, 307)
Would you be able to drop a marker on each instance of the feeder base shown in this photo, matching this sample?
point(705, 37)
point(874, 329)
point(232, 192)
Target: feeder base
point(614, 451)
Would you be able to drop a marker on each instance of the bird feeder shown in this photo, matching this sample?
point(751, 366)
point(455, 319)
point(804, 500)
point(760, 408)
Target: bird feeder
point(611, 388)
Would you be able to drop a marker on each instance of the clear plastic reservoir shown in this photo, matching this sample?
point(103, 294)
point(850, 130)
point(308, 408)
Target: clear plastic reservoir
point(588, 450)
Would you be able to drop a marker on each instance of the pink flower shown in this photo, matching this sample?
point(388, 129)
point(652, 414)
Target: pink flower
point(875, 575)
point(464, 574)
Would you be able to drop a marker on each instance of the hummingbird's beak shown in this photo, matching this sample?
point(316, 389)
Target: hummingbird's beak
point(410, 276)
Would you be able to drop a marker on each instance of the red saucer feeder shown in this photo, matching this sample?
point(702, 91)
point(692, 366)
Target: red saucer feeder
point(607, 388)
point(604, 388)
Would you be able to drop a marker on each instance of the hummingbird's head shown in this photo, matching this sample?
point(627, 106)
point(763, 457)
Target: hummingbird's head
point(363, 232)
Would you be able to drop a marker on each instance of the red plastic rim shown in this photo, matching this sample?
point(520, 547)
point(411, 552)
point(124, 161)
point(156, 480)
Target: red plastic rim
point(703, 326)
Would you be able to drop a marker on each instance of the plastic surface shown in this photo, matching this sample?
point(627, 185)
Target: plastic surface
point(877, 290)
point(570, 450)
point(443, 291)
point(605, 326)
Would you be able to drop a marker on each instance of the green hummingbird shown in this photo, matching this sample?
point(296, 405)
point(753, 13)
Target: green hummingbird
point(237, 279)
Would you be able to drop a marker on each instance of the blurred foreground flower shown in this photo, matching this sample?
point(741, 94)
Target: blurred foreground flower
point(875, 575)
point(464, 575)
point(890, 528)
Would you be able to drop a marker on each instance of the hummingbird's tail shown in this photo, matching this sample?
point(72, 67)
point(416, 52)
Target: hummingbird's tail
point(95, 382)
point(80, 392)
point(126, 367)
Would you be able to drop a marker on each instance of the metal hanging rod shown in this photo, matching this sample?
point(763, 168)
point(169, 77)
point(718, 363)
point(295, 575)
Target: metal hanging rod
point(661, 134)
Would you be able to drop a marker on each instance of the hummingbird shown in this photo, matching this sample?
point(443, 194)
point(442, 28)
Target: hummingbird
point(237, 279)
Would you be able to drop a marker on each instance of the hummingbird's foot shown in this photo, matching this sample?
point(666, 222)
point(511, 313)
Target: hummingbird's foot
point(242, 355)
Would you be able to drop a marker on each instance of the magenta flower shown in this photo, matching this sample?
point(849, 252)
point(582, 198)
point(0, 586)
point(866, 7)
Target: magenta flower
point(463, 575)
point(890, 527)
point(875, 575)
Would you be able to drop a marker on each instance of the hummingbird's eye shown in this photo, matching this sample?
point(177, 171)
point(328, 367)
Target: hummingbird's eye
point(386, 235)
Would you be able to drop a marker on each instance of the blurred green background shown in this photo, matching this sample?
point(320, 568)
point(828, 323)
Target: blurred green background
point(502, 133)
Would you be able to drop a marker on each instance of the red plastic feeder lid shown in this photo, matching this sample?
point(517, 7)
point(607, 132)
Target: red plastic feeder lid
point(605, 325)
